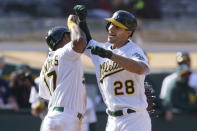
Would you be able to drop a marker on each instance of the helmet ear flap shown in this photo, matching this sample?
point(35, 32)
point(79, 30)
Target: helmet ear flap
point(107, 26)
point(50, 41)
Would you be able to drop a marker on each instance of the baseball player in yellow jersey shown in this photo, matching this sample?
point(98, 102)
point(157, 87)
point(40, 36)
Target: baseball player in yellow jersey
point(61, 78)
point(120, 67)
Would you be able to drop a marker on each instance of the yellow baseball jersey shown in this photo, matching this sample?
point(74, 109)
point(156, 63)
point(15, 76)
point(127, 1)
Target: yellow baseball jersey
point(119, 87)
point(61, 79)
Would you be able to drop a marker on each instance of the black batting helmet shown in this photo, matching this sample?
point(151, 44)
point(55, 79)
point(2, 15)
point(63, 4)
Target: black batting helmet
point(55, 35)
point(183, 58)
point(123, 19)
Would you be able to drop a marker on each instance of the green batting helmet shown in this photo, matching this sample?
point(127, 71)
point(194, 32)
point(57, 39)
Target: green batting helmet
point(55, 35)
point(123, 19)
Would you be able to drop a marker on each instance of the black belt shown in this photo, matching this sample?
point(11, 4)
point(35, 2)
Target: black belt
point(119, 112)
point(61, 109)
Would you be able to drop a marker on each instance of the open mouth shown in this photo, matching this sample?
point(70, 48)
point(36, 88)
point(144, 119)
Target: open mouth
point(111, 35)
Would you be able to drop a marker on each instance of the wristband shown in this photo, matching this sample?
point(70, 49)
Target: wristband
point(71, 24)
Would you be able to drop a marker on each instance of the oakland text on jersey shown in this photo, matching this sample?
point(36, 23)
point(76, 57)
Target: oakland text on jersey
point(50, 63)
point(107, 69)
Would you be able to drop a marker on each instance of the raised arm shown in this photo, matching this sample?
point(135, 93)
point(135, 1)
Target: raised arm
point(78, 37)
point(81, 12)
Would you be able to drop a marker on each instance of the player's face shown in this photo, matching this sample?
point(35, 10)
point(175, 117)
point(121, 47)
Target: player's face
point(117, 35)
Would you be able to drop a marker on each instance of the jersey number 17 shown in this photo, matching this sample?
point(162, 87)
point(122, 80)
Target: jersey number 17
point(52, 74)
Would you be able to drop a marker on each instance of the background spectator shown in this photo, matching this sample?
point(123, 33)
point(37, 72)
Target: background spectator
point(170, 81)
point(182, 58)
point(7, 100)
point(180, 97)
point(20, 87)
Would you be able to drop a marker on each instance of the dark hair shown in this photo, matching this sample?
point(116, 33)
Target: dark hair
point(25, 76)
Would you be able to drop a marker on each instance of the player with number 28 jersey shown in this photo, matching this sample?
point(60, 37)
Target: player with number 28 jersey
point(124, 88)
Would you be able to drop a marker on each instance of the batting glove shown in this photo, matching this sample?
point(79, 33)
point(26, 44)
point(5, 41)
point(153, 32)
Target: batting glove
point(81, 12)
point(96, 50)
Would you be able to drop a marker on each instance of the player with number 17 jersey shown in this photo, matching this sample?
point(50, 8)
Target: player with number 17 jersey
point(57, 74)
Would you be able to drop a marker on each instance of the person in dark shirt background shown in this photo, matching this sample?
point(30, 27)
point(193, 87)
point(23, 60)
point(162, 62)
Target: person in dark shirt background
point(181, 98)
point(7, 100)
point(19, 86)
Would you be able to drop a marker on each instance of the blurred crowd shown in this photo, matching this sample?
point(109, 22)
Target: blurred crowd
point(7, 99)
point(97, 8)
point(104, 8)
point(14, 94)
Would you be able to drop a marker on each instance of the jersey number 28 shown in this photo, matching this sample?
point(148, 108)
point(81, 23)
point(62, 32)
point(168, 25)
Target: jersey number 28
point(124, 87)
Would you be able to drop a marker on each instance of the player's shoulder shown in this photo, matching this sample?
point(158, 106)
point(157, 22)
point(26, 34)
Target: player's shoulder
point(134, 46)
point(169, 78)
point(65, 50)
point(51, 54)
point(131, 48)
point(134, 50)
point(65, 47)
